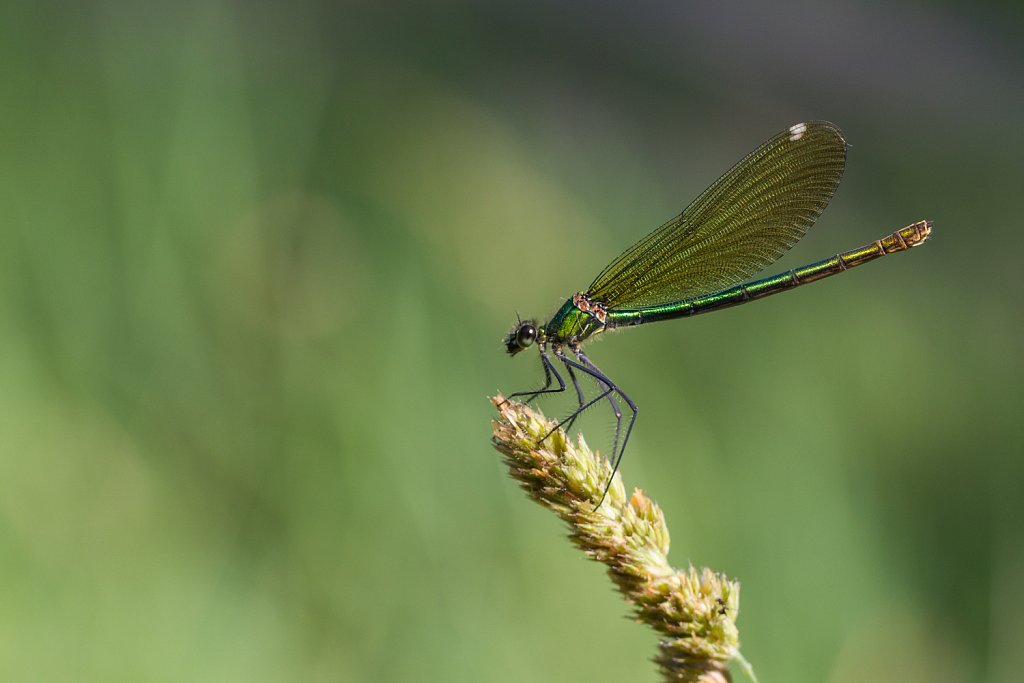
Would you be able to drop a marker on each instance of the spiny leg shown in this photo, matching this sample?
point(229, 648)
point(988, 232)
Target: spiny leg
point(549, 371)
point(605, 389)
point(548, 367)
point(611, 399)
point(592, 370)
point(567, 422)
point(632, 420)
point(575, 383)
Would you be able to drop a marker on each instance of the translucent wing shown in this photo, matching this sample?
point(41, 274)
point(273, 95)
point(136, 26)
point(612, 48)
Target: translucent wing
point(746, 220)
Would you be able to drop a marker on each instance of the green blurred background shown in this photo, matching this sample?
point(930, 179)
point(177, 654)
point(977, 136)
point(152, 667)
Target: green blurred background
point(256, 261)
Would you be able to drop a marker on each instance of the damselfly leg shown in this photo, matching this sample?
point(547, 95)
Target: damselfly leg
point(549, 372)
point(586, 366)
point(569, 419)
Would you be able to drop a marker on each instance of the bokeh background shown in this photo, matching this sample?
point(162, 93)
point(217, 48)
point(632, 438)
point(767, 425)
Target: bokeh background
point(256, 260)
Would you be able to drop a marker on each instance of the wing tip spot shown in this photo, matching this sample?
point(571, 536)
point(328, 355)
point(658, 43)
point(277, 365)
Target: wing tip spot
point(797, 131)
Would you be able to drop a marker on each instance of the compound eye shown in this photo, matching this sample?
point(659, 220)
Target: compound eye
point(526, 335)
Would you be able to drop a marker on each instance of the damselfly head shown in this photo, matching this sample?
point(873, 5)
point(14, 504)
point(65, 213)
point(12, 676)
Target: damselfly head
point(521, 336)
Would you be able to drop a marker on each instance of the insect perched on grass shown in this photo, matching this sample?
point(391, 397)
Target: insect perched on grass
point(692, 264)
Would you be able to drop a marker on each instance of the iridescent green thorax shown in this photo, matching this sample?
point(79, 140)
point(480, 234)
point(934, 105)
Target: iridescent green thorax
point(577, 320)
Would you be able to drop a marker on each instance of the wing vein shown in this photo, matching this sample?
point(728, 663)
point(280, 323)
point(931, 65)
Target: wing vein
point(743, 222)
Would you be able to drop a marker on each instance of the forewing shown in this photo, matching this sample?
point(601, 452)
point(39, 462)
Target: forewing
point(746, 220)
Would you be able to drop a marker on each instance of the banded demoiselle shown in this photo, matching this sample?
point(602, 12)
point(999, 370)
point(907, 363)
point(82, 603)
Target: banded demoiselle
point(694, 263)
